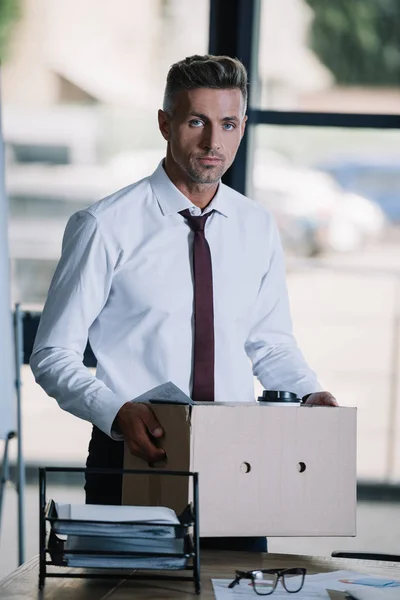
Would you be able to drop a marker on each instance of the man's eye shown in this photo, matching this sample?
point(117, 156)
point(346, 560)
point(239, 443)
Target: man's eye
point(195, 123)
point(229, 126)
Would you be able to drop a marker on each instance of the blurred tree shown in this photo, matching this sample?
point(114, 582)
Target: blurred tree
point(9, 12)
point(358, 40)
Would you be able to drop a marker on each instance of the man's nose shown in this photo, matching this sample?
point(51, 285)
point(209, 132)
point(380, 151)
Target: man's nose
point(211, 138)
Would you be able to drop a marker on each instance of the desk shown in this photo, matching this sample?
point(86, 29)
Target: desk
point(23, 583)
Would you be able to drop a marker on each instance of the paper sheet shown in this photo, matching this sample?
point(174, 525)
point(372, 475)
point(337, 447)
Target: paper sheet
point(166, 392)
point(314, 588)
point(363, 593)
point(244, 591)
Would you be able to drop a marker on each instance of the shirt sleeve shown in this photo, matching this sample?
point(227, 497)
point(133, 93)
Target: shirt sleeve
point(277, 361)
point(77, 294)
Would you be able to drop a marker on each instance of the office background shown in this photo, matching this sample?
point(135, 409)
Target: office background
point(81, 84)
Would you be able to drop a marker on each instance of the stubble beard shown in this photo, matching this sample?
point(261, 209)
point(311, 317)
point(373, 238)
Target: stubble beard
point(207, 174)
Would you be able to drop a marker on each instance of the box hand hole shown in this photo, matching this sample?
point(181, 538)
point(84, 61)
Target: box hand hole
point(245, 467)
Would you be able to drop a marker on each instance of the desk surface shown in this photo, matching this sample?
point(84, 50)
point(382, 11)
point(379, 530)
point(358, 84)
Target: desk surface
point(23, 583)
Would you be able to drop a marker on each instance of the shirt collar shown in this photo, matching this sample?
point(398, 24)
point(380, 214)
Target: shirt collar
point(172, 201)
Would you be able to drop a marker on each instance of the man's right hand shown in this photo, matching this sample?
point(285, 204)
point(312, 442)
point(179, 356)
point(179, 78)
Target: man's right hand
point(138, 424)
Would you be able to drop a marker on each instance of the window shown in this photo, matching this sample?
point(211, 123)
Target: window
point(39, 153)
point(319, 55)
point(324, 158)
point(335, 194)
point(80, 99)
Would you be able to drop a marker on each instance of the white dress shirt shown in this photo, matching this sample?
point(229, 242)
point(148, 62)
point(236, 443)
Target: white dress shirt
point(125, 281)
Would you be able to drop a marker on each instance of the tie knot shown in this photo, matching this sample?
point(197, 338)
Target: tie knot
point(195, 223)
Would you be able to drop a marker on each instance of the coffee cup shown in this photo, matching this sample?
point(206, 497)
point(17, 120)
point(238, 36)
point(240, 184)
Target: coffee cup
point(279, 398)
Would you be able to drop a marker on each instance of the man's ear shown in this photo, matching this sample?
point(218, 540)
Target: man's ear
point(163, 124)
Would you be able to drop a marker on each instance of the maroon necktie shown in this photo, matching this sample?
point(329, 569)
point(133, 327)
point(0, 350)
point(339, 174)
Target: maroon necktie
point(203, 361)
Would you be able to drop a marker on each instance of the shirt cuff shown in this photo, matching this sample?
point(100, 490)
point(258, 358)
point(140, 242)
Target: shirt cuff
point(306, 387)
point(104, 408)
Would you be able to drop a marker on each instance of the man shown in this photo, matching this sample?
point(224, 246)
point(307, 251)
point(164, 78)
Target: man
point(126, 279)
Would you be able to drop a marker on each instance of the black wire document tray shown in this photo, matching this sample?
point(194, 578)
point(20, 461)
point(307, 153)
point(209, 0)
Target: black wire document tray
point(107, 539)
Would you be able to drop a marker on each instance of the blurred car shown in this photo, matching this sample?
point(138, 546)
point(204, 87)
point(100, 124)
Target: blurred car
point(354, 221)
point(312, 211)
point(376, 178)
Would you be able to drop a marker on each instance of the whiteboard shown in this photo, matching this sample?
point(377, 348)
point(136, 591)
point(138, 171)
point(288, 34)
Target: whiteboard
point(7, 367)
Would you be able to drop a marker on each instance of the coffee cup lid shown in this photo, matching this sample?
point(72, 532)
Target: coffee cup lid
point(278, 396)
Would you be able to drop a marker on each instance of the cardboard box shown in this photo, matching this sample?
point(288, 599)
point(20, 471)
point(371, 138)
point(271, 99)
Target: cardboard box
point(274, 471)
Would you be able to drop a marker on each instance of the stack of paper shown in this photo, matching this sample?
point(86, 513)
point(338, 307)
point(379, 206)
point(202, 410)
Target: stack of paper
point(104, 520)
point(112, 547)
point(107, 536)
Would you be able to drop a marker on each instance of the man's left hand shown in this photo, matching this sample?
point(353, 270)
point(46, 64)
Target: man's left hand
point(322, 399)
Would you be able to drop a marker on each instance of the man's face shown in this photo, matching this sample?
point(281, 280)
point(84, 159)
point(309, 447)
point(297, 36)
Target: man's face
point(204, 132)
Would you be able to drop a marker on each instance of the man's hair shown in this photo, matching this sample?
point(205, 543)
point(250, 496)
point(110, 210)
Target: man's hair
point(208, 71)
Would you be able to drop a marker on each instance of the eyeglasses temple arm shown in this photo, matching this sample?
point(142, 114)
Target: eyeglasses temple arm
point(234, 582)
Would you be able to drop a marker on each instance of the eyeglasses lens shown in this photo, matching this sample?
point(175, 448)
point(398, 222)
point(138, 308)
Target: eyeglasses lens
point(264, 583)
point(293, 580)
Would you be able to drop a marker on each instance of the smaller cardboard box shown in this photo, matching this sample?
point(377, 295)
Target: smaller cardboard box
point(273, 471)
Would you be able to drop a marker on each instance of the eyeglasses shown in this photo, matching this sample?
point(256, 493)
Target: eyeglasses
point(264, 582)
